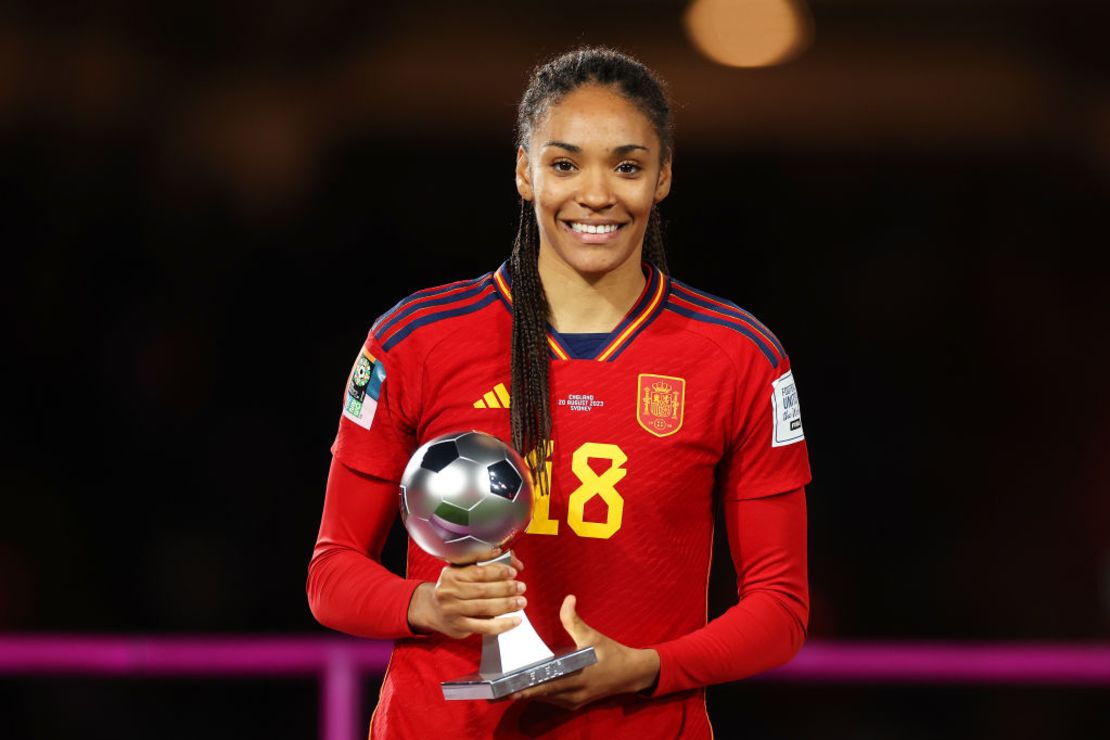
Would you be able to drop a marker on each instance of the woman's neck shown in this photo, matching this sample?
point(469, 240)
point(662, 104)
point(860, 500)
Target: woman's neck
point(587, 303)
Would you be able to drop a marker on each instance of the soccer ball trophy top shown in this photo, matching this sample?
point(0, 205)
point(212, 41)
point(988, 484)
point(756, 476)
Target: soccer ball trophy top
point(461, 495)
point(464, 494)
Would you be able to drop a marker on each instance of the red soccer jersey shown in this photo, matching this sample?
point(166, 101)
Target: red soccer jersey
point(690, 397)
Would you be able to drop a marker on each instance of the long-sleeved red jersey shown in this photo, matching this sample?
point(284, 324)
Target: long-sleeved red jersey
point(688, 398)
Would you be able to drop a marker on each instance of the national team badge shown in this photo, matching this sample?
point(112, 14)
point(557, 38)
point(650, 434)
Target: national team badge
point(660, 402)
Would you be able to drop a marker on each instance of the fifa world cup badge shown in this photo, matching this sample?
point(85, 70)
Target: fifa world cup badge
point(660, 403)
point(364, 389)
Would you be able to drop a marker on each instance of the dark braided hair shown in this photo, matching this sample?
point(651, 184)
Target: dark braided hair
point(548, 84)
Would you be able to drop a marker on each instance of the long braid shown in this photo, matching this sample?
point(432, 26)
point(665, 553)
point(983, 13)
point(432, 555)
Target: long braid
point(653, 243)
point(530, 409)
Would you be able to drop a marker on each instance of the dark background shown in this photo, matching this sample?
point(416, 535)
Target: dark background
point(205, 205)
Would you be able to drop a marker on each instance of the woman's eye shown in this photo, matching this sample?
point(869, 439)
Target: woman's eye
point(628, 168)
point(563, 165)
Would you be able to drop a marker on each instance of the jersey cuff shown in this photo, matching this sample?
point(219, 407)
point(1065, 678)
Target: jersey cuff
point(400, 618)
point(667, 680)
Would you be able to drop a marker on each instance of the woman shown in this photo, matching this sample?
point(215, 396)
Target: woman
point(643, 399)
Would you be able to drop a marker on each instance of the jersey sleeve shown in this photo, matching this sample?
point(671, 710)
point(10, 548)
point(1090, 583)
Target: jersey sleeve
point(766, 628)
point(767, 453)
point(348, 588)
point(378, 419)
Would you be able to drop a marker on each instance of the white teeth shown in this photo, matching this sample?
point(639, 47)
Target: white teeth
point(594, 228)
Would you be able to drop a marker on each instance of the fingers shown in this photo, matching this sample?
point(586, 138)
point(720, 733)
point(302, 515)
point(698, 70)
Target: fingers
point(579, 631)
point(488, 626)
point(492, 590)
point(466, 626)
point(476, 582)
point(477, 591)
point(567, 692)
point(468, 598)
point(484, 607)
point(571, 701)
point(567, 613)
point(489, 555)
point(481, 573)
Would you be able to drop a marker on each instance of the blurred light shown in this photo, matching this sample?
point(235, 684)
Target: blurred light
point(749, 33)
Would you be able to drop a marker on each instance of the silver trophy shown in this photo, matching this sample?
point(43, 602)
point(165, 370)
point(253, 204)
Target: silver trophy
point(464, 494)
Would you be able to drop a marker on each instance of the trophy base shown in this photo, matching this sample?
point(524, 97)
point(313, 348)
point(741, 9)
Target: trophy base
point(477, 686)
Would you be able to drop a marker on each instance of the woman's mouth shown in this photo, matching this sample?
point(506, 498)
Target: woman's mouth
point(593, 232)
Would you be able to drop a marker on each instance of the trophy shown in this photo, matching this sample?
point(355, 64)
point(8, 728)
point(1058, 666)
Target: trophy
point(461, 495)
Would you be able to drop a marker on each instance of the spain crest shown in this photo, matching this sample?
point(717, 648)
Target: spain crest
point(660, 402)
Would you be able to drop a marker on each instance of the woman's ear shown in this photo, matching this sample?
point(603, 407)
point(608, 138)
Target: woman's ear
point(523, 175)
point(663, 186)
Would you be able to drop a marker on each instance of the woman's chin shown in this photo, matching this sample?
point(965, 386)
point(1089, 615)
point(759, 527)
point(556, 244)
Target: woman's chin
point(596, 261)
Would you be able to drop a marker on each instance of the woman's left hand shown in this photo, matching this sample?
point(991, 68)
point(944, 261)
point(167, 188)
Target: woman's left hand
point(619, 668)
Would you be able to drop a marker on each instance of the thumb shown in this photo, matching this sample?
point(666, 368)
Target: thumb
point(572, 623)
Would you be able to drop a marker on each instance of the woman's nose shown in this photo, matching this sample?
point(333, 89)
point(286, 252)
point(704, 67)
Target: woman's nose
point(595, 191)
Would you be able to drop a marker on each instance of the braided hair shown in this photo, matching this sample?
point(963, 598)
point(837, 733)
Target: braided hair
point(530, 411)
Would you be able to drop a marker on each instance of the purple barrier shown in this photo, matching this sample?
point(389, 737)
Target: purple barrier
point(949, 663)
point(188, 656)
point(340, 662)
point(337, 662)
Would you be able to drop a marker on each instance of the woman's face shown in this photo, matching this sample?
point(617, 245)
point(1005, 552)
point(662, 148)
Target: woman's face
point(593, 169)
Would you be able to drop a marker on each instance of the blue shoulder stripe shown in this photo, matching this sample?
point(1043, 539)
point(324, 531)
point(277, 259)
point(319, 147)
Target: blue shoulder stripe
point(380, 327)
point(735, 325)
point(716, 303)
point(409, 304)
point(438, 316)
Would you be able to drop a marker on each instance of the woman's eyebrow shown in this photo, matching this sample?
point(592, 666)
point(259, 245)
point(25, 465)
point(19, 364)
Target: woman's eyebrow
point(564, 145)
point(619, 150)
point(626, 148)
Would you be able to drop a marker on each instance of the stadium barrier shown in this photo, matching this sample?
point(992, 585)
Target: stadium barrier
point(340, 663)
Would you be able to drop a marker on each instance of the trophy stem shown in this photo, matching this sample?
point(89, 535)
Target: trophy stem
point(513, 649)
point(515, 660)
point(516, 648)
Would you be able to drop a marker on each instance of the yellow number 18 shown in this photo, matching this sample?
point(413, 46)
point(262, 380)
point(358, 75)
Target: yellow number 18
point(592, 484)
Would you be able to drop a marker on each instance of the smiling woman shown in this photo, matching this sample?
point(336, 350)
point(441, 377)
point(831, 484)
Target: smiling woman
point(640, 402)
point(594, 200)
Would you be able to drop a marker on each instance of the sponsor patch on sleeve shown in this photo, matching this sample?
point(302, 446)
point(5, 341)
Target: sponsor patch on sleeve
point(364, 388)
point(787, 426)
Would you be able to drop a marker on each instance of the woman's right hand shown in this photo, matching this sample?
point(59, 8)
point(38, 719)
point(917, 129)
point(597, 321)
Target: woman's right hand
point(465, 599)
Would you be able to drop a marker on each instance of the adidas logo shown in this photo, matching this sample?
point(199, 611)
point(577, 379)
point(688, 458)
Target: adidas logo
point(498, 398)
